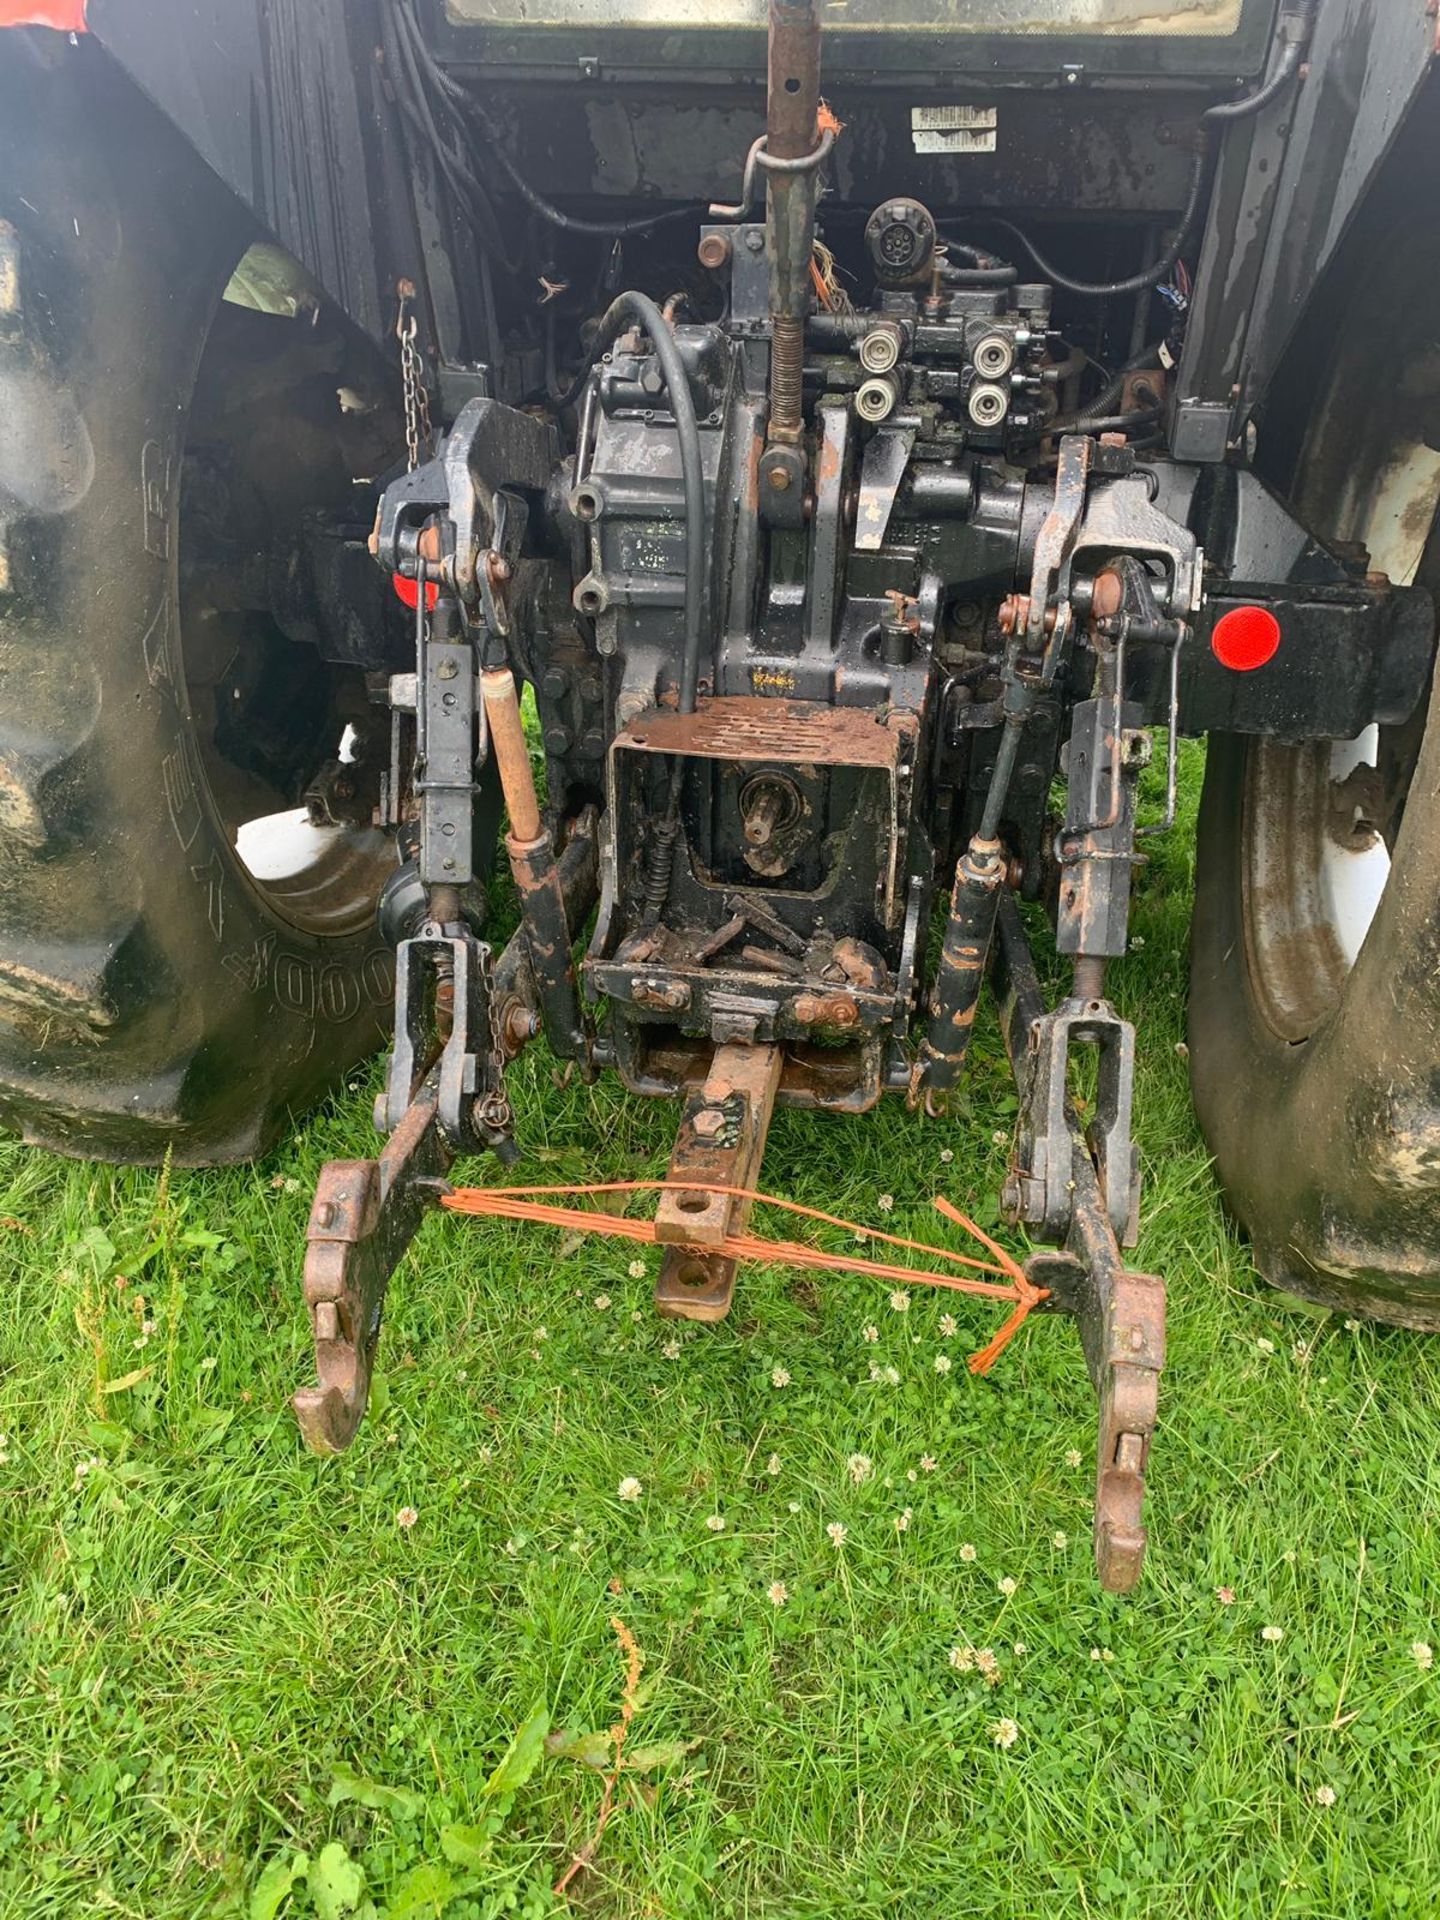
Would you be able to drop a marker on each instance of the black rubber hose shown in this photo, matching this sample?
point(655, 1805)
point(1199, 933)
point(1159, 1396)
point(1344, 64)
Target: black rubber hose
point(962, 277)
point(1230, 110)
point(461, 103)
point(640, 308)
point(1108, 397)
point(568, 222)
point(1131, 422)
point(1137, 282)
point(1225, 114)
point(406, 60)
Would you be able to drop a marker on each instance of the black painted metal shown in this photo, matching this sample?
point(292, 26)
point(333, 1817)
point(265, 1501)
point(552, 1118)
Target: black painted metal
point(282, 99)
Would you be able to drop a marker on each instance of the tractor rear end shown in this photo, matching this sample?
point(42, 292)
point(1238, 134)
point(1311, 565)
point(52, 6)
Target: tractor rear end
point(866, 543)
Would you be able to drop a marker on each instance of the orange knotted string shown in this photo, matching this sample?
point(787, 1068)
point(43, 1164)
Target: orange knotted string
point(536, 1204)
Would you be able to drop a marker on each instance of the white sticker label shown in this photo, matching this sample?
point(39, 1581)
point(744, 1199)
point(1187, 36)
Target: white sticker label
point(958, 129)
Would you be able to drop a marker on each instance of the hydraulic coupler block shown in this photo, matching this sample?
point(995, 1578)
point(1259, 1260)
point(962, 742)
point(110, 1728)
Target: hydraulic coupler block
point(979, 877)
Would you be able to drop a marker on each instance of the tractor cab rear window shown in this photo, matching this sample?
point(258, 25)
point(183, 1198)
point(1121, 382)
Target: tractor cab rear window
point(1149, 18)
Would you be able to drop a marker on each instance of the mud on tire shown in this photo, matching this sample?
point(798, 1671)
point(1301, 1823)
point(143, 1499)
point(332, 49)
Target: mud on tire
point(153, 996)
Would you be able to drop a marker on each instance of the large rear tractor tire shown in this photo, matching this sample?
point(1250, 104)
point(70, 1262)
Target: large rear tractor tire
point(1314, 1027)
point(160, 993)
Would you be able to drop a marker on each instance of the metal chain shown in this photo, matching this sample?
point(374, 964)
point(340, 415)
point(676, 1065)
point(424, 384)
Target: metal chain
point(412, 373)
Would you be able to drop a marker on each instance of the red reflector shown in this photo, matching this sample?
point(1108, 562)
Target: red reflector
point(1245, 638)
point(65, 16)
point(409, 590)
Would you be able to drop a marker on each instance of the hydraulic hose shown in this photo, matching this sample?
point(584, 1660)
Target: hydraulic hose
point(421, 67)
point(1225, 114)
point(1108, 398)
point(638, 307)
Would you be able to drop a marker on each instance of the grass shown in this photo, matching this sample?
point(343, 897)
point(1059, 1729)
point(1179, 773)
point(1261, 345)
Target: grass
point(227, 1667)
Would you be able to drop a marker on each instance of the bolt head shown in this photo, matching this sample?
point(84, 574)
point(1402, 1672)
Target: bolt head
point(779, 478)
point(709, 1123)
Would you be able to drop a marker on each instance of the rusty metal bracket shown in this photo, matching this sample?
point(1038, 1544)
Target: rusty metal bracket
point(1120, 1314)
point(721, 1142)
point(364, 1216)
point(366, 1212)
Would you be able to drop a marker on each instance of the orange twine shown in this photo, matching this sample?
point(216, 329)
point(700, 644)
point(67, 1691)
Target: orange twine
point(522, 1203)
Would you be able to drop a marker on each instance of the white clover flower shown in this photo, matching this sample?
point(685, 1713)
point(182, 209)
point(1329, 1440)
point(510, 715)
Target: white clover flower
point(967, 1552)
point(949, 1326)
point(1423, 1654)
point(406, 1518)
point(947, 1154)
point(772, 1465)
point(869, 1334)
point(630, 1488)
point(1007, 1584)
point(900, 1301)
point(636, 1269)
point(777, 1593)
point(716, 1523)
point(1004, 1733)
point(962, 1659)
point(859, 1467)
point(1072, 1456)
point(942, 1363)
point(779, 1377)
point(836, 1532)
point(670, 1350)
point(1324, 1796)
point(902, 1520)
point(927, 1463)
point(886, 1203)
point(1273, 1634)
point(1060, 1541)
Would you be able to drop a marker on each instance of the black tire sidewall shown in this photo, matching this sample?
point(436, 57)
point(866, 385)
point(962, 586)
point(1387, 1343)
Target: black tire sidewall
point(264, 1015)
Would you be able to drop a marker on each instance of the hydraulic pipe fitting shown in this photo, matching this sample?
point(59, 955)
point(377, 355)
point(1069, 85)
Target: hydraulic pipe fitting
point(877, 398)
point(880, 349)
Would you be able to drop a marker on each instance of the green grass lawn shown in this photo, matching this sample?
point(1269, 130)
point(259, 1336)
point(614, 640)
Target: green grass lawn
point(221, 1655)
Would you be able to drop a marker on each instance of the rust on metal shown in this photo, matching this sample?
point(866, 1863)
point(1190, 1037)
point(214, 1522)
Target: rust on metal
point(512, 756)
point(746, 727)
point(721, 1142)
point(792, 131)
point(365, 1214)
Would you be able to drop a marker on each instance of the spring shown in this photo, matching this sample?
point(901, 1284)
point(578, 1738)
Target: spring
point(660, 861)
point(787, 371)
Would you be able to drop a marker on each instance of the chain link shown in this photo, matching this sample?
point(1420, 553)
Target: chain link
point(412, 373)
